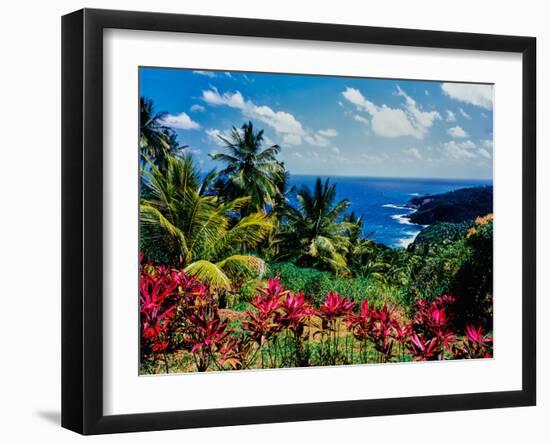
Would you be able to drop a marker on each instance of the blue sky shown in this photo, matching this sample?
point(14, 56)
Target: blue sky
point(334, 125)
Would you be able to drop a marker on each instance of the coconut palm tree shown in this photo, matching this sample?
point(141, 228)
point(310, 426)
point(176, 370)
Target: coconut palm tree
point(199, 231)
point(313, 235)
point(156, 139)
point(279, 207)
point(250, 170)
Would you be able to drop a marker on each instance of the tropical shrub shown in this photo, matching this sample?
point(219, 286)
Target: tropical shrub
point(473, 283)
point(318, 284)
point(196, 229)
point(463, 267)
point(432, 334)
point(282, 328)
point(440, 233)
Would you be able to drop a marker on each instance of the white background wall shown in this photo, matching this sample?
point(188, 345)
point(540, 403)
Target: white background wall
point(30, 218)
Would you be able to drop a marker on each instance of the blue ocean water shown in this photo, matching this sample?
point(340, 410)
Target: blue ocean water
point(380, 201)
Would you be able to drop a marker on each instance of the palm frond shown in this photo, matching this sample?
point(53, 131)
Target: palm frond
point(323, 249)
point(150, 217)
point(210, 273)
point(247, 233)
point(236, 263)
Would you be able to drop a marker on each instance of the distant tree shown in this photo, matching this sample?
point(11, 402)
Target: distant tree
point(314, 234)
point(156, 140)
point(250, 170)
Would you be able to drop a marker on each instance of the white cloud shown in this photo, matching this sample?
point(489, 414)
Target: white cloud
point(180, 121)
point(213, 97)
point(390, 122)
point(268, 141)
point(460, 150)
point(197, 108)
point(292, 139)
point(450, 116)
point(465, 114)
point(329, 132)
point(206, 73)
point(486, 148)
point(297, 155)
point(457, 132)
point(413, 152)
point(355, 97)
point(484, 153)
point(361, 119)
point(423, 118)
point(214, 135)
point(317, 140)
point(467, 150)
point(393, 122)
point(284, 123)
point(336, 150)
point(321, 137)
point(478, 95)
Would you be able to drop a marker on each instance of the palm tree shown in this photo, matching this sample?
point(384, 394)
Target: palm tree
point(279, 207)
point(250, 170)
point(199, 231)
point(313, 235)
point(281, 198)
point(156, 139)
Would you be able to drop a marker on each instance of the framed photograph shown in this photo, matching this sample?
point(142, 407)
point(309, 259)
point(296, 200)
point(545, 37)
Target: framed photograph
point(269, 221)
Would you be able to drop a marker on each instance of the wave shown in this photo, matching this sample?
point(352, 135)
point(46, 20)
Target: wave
point(402, 218)
point(397, 207)
point(406, 241)
point(415, 194)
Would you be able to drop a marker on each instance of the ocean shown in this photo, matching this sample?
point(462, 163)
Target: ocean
point(381, 202)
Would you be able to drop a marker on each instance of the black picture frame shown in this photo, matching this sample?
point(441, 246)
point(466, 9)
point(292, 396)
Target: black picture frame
point(82, 218)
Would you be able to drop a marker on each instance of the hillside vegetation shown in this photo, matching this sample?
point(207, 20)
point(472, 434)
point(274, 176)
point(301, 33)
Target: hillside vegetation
point(233, 276)
point(454, 207)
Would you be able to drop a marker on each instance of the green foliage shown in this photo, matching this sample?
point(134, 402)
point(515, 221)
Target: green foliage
point(312, 235)
point(473, 284)
point(241, 292)
point(156, 140)
point(250, 170)
point(433, 268)
point(461, 267)
point(307, 280)
point(195, 229)
point(454, 207)
point(317, 284)
point(223, 227)
point(441, 233)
